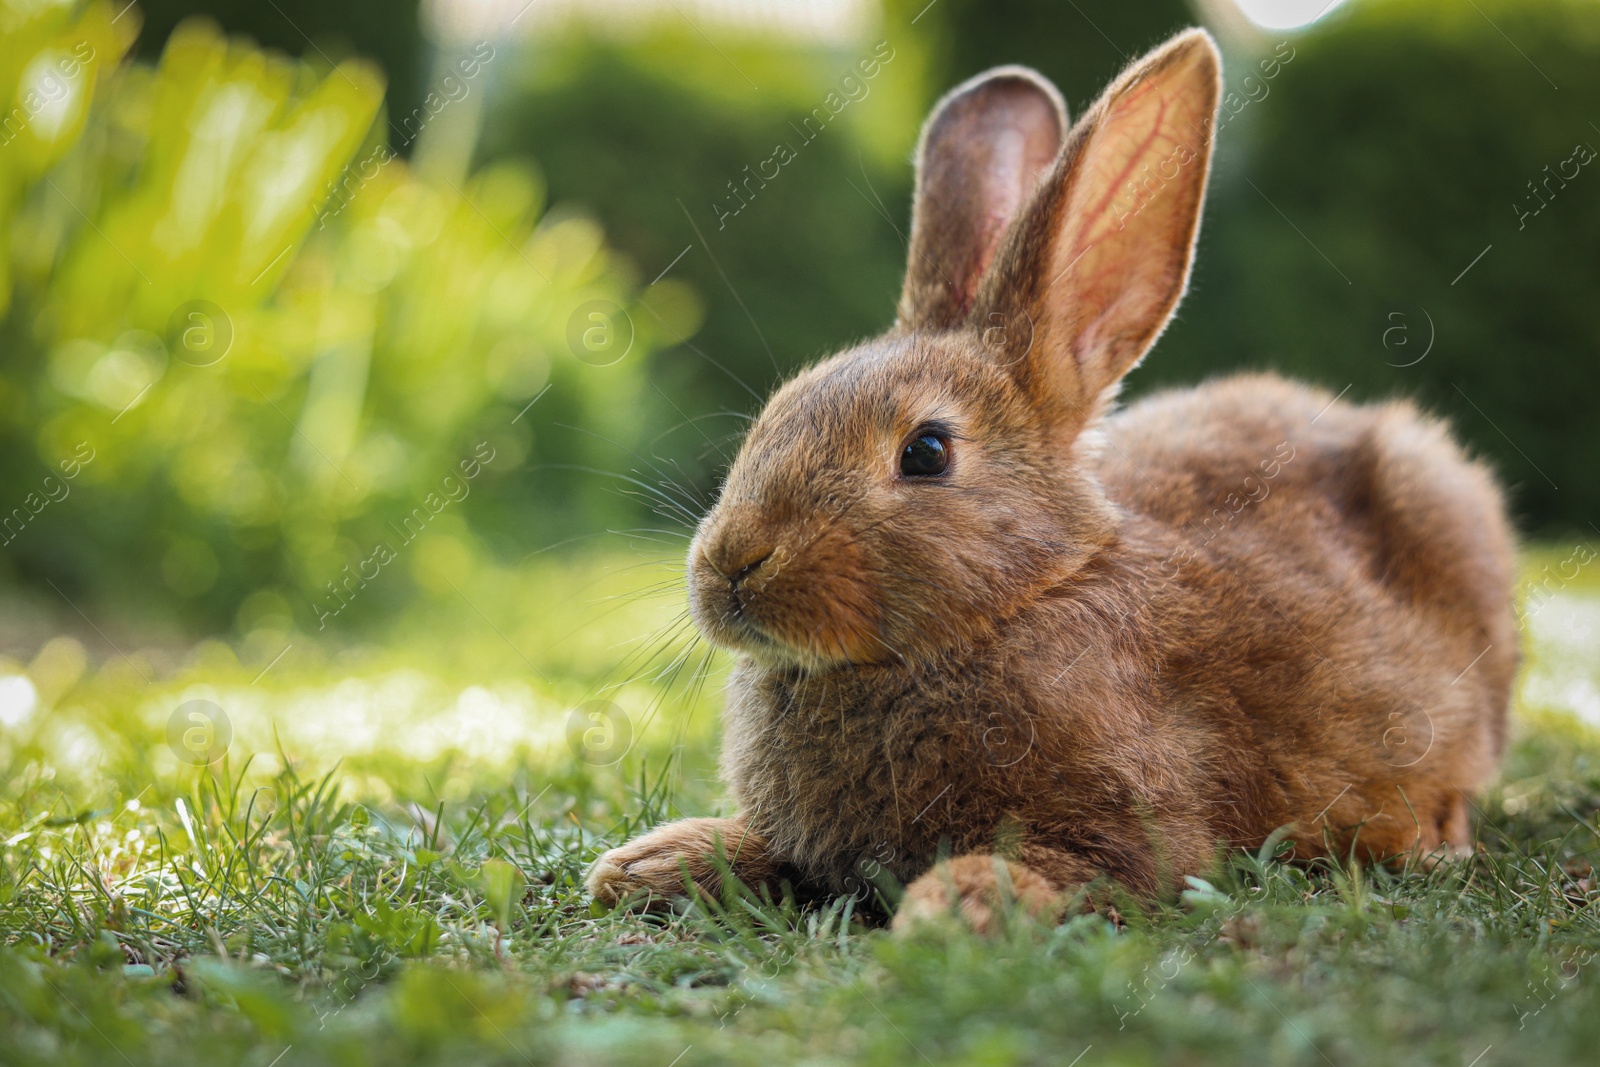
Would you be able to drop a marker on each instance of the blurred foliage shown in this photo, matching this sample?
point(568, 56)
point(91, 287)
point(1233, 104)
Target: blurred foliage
point(667, 139)
point(1399, 142)
point(387, 31)
point(260, 354)
point(1080, 46)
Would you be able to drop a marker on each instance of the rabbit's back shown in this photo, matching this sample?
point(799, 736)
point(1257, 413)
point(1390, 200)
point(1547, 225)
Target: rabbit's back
point(1343, 572)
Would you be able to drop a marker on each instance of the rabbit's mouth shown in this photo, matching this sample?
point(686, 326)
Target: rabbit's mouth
point(735, 627)
point(785, 634)
point(749, 634)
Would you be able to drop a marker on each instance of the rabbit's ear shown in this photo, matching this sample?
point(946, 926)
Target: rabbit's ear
point(1088, 278)
point(983, 152)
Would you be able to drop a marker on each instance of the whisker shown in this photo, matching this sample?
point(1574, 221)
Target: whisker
point(646, 486)
point(686, 497)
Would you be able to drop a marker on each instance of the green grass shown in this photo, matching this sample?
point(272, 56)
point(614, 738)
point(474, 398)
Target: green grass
point(386, 869)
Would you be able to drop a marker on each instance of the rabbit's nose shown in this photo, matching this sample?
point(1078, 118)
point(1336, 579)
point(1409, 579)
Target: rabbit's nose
point(737, 560)
point(739, 575)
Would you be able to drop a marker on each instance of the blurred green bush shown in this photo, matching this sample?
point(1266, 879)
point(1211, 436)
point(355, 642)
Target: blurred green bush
point(1392, 151)
point(776, 170)
point(389, 32)
point(279, 358)
point(1080, 46)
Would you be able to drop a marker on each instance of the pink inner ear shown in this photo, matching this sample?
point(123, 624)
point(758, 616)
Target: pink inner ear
point(1005, 180)
point(1130, 224)
point(1102, 221)
point(982, 155)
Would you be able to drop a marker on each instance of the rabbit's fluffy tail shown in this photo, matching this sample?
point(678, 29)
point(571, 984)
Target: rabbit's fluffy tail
point(1442, 538)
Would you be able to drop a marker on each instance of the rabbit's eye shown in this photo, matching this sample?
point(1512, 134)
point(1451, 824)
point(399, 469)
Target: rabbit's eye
point(927, 456)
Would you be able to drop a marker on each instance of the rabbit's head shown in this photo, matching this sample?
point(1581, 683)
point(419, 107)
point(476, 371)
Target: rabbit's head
point(896, 500)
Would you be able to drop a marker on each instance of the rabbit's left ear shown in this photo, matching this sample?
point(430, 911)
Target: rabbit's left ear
point(1088, 277)
point(983, 152)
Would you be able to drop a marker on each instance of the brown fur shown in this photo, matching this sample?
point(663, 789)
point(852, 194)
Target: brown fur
point(1102, 642)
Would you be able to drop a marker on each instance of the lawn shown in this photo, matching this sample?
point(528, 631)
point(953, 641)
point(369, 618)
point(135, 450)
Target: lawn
point(384, 866)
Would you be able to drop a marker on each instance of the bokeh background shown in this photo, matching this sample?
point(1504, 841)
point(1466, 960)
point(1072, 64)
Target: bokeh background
point(410, 326)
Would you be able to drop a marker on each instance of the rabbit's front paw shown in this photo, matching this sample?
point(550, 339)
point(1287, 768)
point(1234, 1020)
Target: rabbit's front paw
point(668, 860)
point(979, 891)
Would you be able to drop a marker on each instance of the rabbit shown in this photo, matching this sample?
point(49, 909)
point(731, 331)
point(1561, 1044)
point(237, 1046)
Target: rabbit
point(999, 639)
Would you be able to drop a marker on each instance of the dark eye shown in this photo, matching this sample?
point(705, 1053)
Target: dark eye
point(926, 456)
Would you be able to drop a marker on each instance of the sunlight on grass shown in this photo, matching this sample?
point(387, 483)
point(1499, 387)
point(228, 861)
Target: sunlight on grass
point(485, 694)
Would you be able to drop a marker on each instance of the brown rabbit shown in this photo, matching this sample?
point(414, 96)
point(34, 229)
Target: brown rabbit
point(981, 615)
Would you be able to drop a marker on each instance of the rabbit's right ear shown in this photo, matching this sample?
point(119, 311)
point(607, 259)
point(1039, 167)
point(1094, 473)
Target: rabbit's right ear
point(982, 154)
point(1093, 270)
